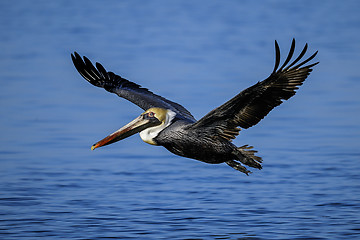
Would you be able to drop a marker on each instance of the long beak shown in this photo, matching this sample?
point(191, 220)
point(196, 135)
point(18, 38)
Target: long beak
point(137, 125)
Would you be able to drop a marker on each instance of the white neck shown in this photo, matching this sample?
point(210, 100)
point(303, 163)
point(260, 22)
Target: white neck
point(149, 134)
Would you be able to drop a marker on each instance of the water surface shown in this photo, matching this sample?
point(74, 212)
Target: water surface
point(199, 54)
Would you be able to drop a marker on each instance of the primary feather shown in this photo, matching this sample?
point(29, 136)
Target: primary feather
point(252, 104)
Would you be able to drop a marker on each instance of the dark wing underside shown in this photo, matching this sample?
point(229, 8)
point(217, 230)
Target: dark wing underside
point(133, 92)
point(251, 105)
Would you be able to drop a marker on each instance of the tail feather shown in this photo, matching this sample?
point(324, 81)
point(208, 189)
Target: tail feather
point(250, 154)
point(245, 155)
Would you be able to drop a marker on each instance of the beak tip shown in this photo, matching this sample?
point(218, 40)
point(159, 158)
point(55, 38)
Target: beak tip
point(93, 147)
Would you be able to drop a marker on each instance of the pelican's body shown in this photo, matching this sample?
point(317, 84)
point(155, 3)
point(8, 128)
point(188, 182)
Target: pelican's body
point(170, 125)
point(188, 142)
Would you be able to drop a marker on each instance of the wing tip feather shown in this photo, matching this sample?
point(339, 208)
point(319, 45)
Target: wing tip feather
point(286, 66)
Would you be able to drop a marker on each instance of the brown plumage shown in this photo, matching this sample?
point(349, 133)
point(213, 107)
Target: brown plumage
point(251, 105)
point(169, 124)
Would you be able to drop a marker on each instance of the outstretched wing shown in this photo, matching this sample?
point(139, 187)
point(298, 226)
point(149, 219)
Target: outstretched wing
point(251, 105)
point(133, 92)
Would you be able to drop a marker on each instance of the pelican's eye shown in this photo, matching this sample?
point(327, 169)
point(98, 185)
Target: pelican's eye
point(151, 114)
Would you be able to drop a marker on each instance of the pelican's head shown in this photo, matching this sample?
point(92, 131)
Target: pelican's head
point(149, 124)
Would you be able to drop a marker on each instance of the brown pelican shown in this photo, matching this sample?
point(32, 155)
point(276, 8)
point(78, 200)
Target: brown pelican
point(170, 125)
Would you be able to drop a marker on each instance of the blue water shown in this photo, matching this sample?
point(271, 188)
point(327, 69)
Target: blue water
point(197, 53)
